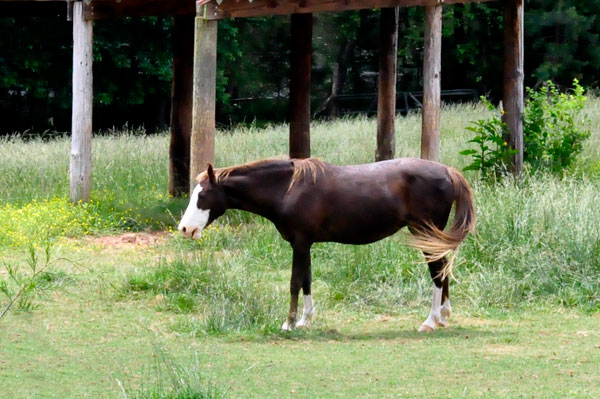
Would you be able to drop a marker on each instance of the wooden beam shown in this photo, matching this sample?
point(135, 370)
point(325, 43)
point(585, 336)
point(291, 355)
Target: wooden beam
point(181, 105)
point(386, 97)
point(103, 9)
point(202, 146)
point(257, 8)
point(81, 127)
point(432, 64)
point(300, 68)
point(513, 78)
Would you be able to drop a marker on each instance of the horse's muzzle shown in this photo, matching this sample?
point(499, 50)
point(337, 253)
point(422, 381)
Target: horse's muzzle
point(191, 232)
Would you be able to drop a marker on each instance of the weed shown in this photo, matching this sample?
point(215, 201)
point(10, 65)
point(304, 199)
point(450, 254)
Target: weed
point(172, 380)
point(493, 154)
point(20, 287)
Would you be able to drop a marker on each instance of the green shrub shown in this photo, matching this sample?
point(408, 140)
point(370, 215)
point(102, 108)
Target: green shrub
point(553, 131)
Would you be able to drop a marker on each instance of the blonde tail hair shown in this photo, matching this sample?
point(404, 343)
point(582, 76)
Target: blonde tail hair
point(436, 243)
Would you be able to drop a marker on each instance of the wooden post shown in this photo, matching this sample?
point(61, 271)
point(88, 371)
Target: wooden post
point(430, 135)
point(202, 150)
point(300, 68)
point(181, 105)
point(81, 124)
point(513, 78)
point(386, 97)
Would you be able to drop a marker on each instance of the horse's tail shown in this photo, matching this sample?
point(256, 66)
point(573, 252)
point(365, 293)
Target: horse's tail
point(436, 243)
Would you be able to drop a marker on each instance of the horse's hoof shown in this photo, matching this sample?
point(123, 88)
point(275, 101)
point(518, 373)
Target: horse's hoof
point(446, 312)
point(425, 328)
point(287, 326)
point(303, 323)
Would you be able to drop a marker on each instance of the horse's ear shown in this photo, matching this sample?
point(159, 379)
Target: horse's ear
point(211, 174)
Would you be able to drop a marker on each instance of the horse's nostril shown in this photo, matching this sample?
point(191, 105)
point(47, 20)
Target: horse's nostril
point(183, 229)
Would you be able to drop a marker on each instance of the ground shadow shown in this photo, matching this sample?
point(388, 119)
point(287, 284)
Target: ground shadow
point(401, 334)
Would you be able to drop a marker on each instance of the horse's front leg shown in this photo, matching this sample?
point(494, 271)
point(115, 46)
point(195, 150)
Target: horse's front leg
point(308, 307)
point(300, 270)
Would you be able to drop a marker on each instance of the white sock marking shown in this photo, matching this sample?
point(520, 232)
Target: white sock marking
point(307, 312)
point(435, 316)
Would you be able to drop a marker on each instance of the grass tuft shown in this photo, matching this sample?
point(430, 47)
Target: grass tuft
point(172, 380)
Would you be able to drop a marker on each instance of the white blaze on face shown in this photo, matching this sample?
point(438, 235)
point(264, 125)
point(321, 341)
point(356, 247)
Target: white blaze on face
point(194, 220)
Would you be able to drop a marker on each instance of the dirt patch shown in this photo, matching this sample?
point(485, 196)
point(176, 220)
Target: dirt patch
point(130, 240)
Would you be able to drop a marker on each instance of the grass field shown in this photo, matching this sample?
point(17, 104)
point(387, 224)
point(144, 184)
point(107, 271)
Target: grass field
point(112, 319)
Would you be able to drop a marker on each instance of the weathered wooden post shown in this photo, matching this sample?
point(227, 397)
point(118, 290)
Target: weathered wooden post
point(202, 146)
point(300, 68)
point(181, 105)
point(80, 167)
point(432, 65)
point(513, 78)
point(386, 96)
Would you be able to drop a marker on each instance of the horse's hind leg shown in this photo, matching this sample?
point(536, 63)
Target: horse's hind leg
point(446, 310)
point(440, 304)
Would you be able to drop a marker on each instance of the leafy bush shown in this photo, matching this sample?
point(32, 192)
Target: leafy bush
point(553, 130)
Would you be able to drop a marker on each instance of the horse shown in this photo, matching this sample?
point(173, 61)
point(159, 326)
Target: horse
point(311, 201)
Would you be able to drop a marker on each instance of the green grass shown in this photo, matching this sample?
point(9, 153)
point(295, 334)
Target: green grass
point(80, 347)
point(525, 299)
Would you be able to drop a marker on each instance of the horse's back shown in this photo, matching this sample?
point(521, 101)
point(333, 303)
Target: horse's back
point(364, 203)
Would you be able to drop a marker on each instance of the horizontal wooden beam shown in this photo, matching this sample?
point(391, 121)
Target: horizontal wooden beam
point(257, 8)
point(105, 9)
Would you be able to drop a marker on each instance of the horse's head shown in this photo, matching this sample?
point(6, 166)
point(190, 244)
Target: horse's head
point(207, 203)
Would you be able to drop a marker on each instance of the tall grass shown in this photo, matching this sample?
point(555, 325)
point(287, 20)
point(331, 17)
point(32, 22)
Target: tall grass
point(133, 167)
point(537, 238)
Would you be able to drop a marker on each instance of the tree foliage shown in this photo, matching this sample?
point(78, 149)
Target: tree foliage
point(132, 60)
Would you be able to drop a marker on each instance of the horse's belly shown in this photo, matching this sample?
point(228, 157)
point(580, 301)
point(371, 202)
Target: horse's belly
point(359, 231)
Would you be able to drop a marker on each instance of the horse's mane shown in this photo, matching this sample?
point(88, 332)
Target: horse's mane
point(301, 168)
point(305, 167)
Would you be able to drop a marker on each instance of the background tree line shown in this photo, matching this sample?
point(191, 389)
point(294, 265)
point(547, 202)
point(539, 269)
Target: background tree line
point(132, 61)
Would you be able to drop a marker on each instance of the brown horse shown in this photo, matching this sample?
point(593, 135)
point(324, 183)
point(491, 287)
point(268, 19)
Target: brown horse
point(311, 201)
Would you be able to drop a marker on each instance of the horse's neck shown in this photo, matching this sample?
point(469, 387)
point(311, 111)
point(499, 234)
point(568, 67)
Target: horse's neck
point(258, 191)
